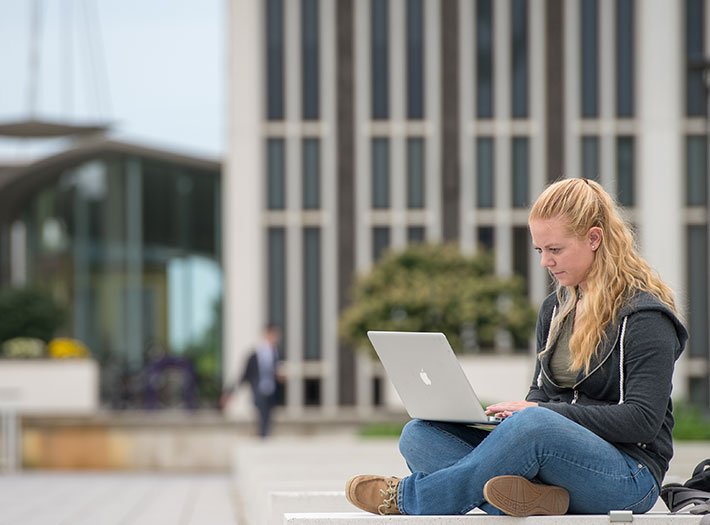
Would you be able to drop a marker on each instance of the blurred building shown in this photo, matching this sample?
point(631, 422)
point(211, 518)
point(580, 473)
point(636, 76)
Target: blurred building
point(127, 239)
point(361, 125)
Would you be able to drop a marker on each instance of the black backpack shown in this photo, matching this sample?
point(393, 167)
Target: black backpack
point(695, 492)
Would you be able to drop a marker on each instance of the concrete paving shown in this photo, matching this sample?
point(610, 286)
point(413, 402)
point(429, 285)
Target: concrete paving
point(51, 498)
point(107, 498)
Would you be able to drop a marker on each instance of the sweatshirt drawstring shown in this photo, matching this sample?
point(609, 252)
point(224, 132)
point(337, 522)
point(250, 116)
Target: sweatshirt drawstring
point(621, 361)
point(547, 342)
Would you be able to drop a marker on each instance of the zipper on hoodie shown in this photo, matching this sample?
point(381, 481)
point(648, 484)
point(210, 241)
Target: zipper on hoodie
point(574, 399)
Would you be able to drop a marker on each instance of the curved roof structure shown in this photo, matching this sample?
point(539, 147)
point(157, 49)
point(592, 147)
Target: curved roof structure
point(18, 183)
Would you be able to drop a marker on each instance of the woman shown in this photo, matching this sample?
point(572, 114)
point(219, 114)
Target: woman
point(594, 433)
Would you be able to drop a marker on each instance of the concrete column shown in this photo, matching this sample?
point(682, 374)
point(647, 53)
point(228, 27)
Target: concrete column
point(329, 348)
point(242, 194)
point(467, 150)
point(538, 142)
point(432, 113)
point(659, 153)
point(294, 226)
point(572, 91)
point(398, 98)
point(503, 164)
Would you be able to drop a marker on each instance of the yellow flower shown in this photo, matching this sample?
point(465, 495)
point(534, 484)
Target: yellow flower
point(64, 348)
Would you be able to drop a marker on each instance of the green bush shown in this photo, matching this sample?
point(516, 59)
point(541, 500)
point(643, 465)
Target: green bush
point(690, 423)
point(436, 288)
point(27, 312)
point(24, 348)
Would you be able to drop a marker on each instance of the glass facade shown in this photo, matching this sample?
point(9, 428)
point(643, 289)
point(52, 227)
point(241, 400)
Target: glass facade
point(312, 293)
point(694, 52)
point(625, 76)
point(130, 246)
point(521, 176)
point(590, 158)
point(310, 44)
point(484, 58)
point(696, 186)
point(311, 174)
point(520, 58)
point(697, 285)
point(380, 173)
point(276, 264)
point(415, 59)
point(416, 234)
point(276, 177)
point(415, 173)
point(625, 170)
point(485, 173)
point(380, 241)
point(589, 23)
point(274, 59)
point(379, 56)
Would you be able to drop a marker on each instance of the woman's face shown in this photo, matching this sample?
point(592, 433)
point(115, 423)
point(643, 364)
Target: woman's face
point(568, 258)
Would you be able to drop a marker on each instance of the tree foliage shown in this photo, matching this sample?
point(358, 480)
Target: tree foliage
point(27, 312)
point(434, 288)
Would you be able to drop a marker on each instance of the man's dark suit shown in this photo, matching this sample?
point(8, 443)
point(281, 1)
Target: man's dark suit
point(264, 402)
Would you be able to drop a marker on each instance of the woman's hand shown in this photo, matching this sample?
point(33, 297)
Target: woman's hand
point(507, 408)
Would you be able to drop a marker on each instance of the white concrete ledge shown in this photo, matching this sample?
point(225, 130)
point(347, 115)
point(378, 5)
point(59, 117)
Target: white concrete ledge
point(361, 518)
point(281, 503)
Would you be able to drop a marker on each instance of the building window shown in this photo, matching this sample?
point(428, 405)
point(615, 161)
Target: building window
point(380, 241)
point(625, 58)
point(379, 58)
point(484, 58)
point(695, 53)
point(485, 185)
point(311, 174)
point(275, 168)
point(310, 85)
point(699, 391)
point(520, 177)
point(486, 237)
point(696, 190)
point(311, 293)
point(590, 158)
point(415, 59)
point(589, 22)
point(275, 59)
point(521, 252)
point(520, 58)
point(625, 170)
point(416, 234)
point(415, 173)
point(277, 279)
point(312, 392)
point(697, 246)
point(380, 173)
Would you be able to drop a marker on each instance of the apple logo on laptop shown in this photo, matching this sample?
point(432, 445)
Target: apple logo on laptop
point(425, 378)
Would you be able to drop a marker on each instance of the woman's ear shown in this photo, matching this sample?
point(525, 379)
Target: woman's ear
point(595, 237)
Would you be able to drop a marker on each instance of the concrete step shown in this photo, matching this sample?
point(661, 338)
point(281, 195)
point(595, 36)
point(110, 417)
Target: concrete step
point(361, 518)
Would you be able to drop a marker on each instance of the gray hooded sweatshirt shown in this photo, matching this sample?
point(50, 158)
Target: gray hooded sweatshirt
point(626, 396)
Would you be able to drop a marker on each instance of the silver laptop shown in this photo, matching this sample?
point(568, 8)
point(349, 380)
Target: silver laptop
point(428, 377)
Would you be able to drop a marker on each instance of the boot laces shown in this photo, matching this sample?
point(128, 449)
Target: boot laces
point(390, 495)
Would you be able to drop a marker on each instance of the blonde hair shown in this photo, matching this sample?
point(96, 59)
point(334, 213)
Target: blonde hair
point(617, 272)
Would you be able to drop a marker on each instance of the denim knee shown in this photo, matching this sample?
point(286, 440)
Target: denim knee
point(411, 437)
point(538, 419)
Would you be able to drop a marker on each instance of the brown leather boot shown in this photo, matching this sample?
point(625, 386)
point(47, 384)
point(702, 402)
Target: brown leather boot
point(376, 494)
point(517, 496)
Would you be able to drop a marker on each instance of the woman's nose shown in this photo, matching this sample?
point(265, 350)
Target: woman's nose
point(546, 261)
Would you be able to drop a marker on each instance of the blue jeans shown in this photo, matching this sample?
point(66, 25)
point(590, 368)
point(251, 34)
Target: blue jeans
point(450, 463)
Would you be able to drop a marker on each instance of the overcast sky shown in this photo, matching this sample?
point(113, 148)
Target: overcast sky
point(160, 79)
